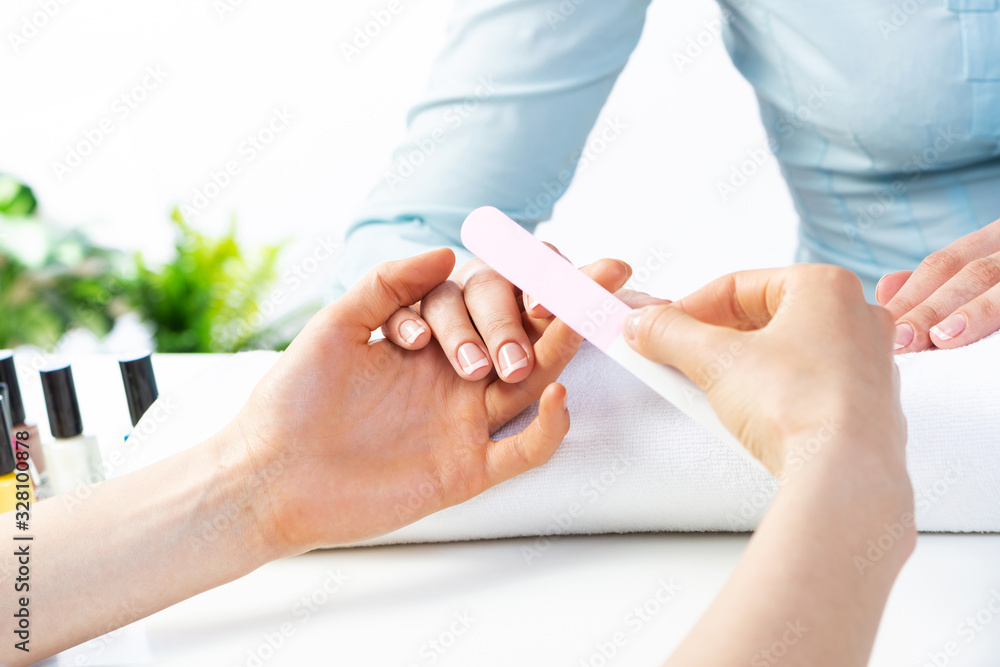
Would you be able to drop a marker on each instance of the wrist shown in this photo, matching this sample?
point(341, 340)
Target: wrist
point(238, 506)
point(854, 478)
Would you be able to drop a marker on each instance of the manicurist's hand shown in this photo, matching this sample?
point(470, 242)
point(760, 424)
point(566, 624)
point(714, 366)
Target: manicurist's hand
point(952, 299)
point(800, 368)
point(778, 351)
point(480, 320)
point(368, 437)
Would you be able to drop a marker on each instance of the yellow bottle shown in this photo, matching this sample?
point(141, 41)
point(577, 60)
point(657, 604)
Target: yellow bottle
point(16, 489)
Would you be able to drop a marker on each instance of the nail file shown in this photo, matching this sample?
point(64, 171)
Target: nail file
point(586, 307)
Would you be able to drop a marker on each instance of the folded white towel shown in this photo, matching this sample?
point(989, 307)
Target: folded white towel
point(633, 462)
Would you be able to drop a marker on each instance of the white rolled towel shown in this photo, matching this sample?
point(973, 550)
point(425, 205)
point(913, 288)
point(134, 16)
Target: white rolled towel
point(633, 462)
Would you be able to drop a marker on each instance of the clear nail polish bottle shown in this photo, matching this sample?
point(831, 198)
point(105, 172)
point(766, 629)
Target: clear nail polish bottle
point(73, 459)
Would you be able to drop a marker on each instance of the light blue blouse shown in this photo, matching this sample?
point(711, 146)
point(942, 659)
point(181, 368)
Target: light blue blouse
point(884, 116)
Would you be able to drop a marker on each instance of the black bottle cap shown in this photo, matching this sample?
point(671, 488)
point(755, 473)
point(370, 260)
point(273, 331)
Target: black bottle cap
point(61, 403)
point(140, 385)
point(7, 462)
point(8, 375)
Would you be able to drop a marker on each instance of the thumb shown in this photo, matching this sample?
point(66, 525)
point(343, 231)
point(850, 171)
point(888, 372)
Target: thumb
point(668, 335)
point(389, 287)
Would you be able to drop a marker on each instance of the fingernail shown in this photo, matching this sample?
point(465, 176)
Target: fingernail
point(877, 285)
point(410, 330)
point(904, 335)
point(471, 358)
point(565, 407)
point(631, 325)
point(511, 358)
point(531, 303)
point(952, 326)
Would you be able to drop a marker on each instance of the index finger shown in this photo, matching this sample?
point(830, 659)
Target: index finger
point(743, 300)
point(941, 266)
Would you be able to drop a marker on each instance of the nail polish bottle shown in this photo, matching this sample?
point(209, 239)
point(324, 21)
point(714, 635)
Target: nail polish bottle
point(140, 385)
point(15, 481)
point(8, 376)
point(73, 459)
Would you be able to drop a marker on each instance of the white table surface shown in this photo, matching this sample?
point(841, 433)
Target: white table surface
point(484, 603)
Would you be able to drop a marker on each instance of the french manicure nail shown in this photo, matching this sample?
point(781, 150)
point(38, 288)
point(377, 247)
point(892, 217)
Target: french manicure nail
point(410, 330)
point(952, 326)
point(471, 358)
point(531, 303)
point(511, 357)
point(904, 335)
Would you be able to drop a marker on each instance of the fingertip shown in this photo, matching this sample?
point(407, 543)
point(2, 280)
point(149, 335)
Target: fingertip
point(553, 413)
point(535, 309)
point(472, 361)
point(414, 333)
point(889, 286)
point(628, 270)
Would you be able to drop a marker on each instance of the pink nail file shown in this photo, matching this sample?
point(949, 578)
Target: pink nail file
point(584, 306)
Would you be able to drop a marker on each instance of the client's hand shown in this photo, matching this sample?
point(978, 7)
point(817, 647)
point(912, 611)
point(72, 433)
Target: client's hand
point(480, 320)
point(353, 439)
point(780, 353)
point(952, 299)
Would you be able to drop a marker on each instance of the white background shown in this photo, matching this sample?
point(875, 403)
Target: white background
point(226, 72)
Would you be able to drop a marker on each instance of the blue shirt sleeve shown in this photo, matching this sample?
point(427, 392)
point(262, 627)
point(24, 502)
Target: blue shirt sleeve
point(511, 100)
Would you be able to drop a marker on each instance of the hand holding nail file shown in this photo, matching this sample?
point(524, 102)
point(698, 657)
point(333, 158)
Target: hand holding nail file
point(584, 306)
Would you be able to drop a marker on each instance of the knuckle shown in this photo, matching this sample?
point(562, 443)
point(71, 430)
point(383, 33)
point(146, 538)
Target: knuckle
point(842, 281)
point(497, 327)
point(884, 321)
point(943, 263)
point(925, 315)
point(452, 333)
point(445, 298)
point(481, 281)
point(983, 272)
point(656, 325)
